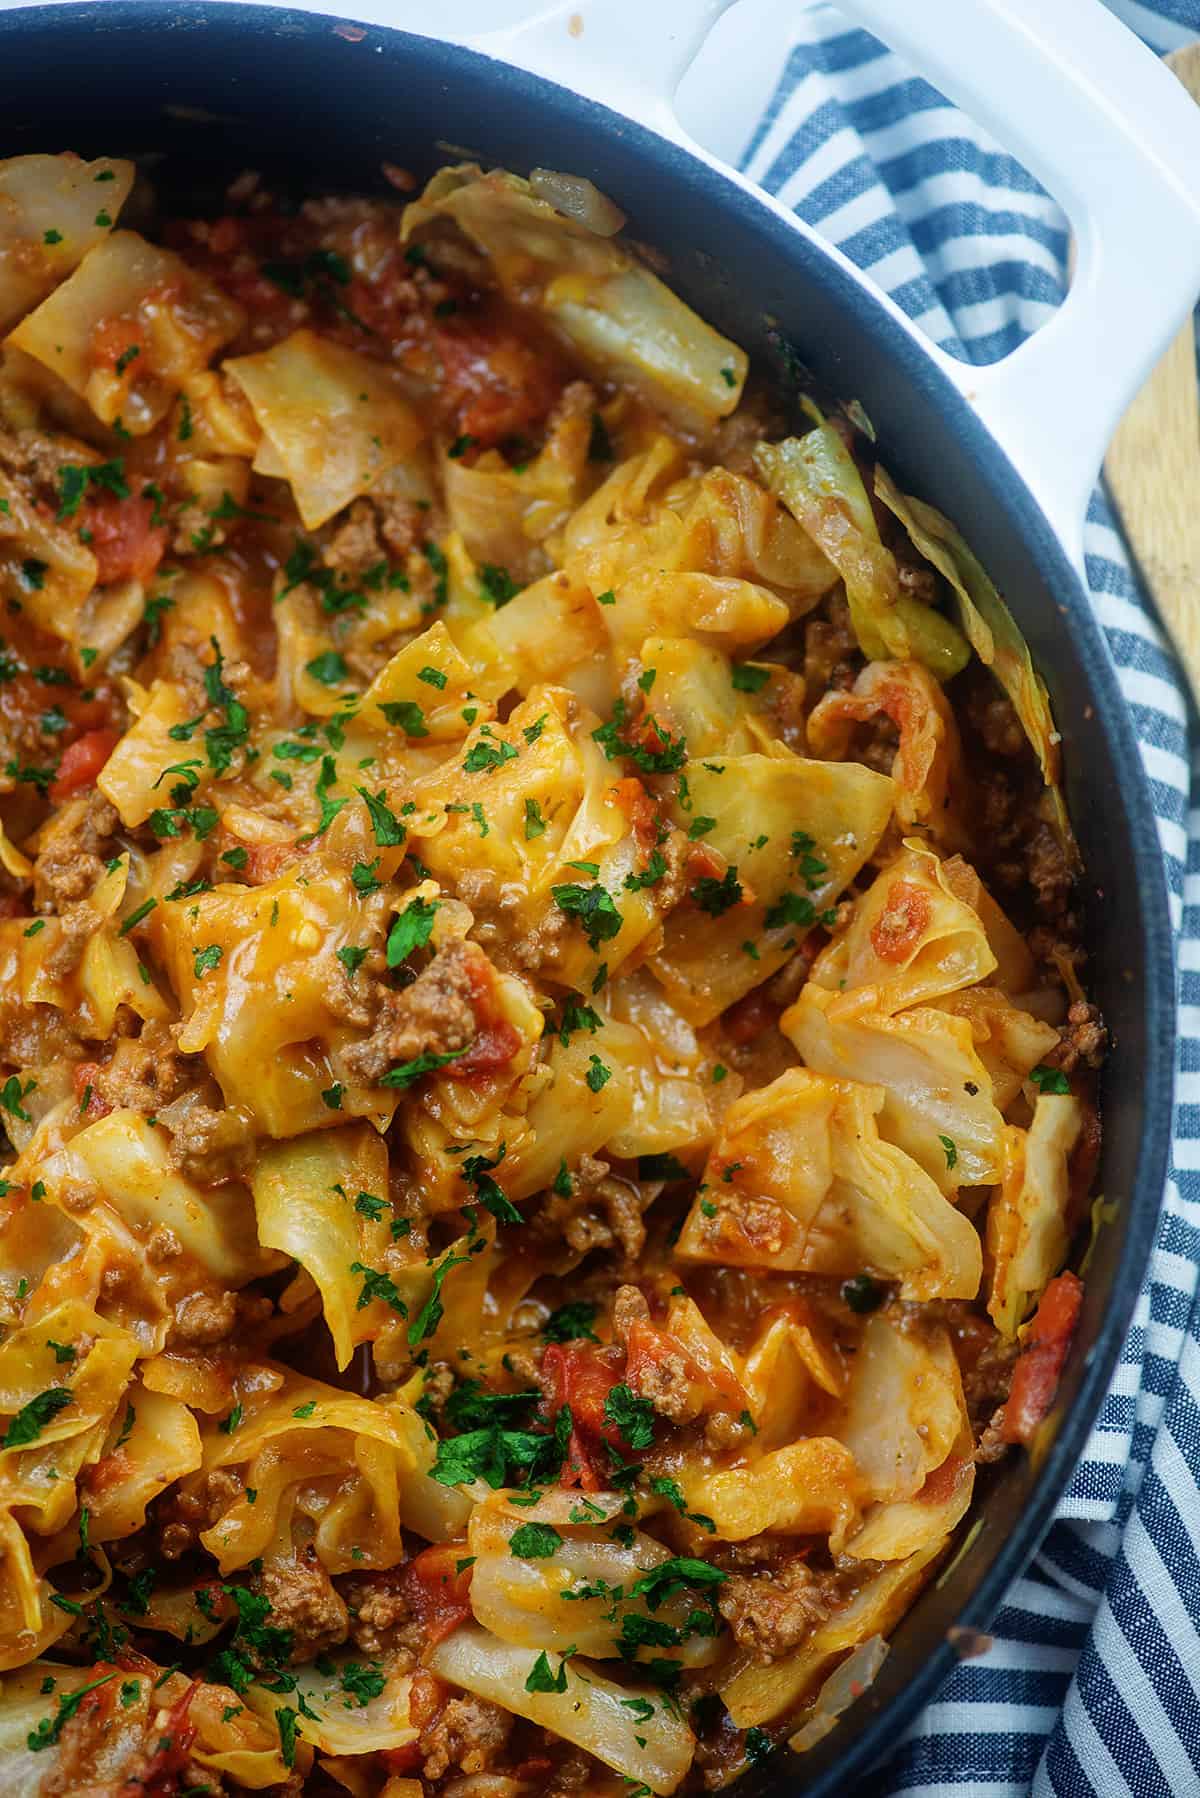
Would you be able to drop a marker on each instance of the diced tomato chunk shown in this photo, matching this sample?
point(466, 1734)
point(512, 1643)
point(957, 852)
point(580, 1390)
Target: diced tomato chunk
point(1039, 1367)
point(160, 1778)
point(81, 762)
point(266, 861)
point(639, 807)
point(494, 1046)
point(123, 540)
point(83, 1081)
point(902, 922)
point(496, 1040)
point(114, 338)
point(110, 1470)
point(582, 1377)
point(437, 1592)
point(495, 385)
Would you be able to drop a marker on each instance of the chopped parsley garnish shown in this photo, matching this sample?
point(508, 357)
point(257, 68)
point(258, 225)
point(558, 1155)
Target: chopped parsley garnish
point(470, 1407)
point(389, 832)
point(748, 678)
point(32, 1418)
point(598, 1074)
point(441, 572)
point(377, 1285)
point(671, 1490)
point(950, 1150)
point(630, 1416)
point(50, 1728)
point(1050, 1080)
point(410, 931)
point(287, 1720)
point(535, 824)
point(152, 616)
point(328, 668)
point(758, 1744)
point(717, 896)
point(534, 1541)
point(595, 908)
point(351, 958)
point(541, 1679)
point(562, 1181)
point(650, 875)
point(672, 1576)
point(576, 1016)
point(655, 752)
point(12, 1096)
point(488, 753)
point(497, 584)
point(478, 1170)
point(406, 1073)
point(221, 741)
point(407, 714)
point(433, 677)
point(76, 477)
point(362, 1683)
point(503, 1457)
point(791, 908)
point(572, 1322)
point(432, 1311)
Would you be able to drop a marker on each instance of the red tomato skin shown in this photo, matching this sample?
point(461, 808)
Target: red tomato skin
point(81, 762)
point(81, 1080)
point(123, 540)
point(436, 1591)
point(899, 927)
point(1036, 1375)
point(582, 1377)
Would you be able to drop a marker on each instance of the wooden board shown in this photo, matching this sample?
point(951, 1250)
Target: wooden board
point(1153, 470)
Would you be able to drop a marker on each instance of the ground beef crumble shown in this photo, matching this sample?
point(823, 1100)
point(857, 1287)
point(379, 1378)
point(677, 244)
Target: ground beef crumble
point(601, 1212)
point(304, 1602)
point(771, 1613)
point(434, 1015)
point(469, 1733)
point(74, 848)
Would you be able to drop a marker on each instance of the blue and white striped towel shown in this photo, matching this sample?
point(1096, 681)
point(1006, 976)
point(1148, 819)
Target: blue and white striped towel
point(1093, 1682)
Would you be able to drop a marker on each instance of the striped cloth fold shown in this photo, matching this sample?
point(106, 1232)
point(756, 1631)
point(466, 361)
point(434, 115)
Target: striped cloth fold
point(1093, 1682)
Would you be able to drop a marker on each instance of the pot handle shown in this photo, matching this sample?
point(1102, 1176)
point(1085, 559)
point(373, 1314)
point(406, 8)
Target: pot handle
point(1066, 87)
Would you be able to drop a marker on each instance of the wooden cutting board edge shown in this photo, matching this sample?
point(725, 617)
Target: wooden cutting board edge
point(1153, 470)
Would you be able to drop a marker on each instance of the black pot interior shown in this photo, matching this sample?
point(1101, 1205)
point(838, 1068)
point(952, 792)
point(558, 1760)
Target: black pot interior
point(206, 90)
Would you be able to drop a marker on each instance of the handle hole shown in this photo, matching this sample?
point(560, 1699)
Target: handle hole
point(862, 148)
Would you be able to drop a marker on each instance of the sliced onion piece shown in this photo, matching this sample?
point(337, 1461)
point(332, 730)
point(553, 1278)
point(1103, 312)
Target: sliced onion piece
point(846, 1683)
point(577, 198)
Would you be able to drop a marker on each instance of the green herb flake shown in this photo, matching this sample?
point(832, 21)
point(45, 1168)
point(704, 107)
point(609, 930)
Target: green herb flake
point(411, 930)
point(33, 1417)
point(1050, 1080)
point(631, 1417)
point(534, 1541)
